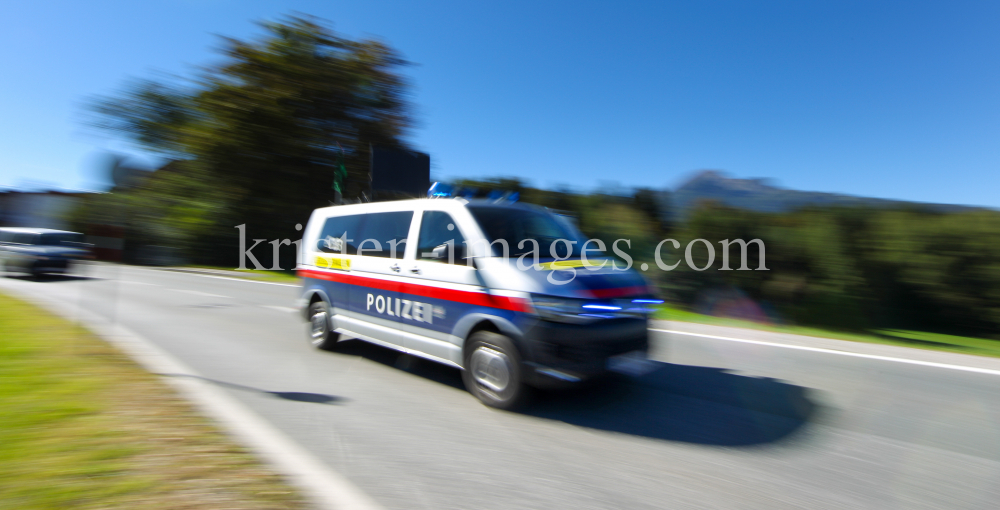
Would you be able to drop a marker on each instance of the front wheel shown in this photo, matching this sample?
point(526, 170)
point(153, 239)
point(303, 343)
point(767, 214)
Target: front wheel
point(320, 334)
point(493, 371)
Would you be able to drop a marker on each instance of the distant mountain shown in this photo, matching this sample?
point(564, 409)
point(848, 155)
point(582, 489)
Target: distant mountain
point(760, 195)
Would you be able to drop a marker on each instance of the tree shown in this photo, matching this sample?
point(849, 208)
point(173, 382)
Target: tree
point(260, 135)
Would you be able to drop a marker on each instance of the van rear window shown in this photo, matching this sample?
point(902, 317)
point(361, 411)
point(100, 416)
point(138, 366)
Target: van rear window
point(25, 239)
point(340, 234)
point(380, 234)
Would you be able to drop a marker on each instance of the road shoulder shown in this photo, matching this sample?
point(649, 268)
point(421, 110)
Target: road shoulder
point(324, 487)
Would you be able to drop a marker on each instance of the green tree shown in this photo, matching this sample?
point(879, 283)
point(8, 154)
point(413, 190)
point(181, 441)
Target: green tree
point(257, 137)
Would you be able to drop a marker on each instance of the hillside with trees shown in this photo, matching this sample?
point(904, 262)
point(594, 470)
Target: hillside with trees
point(849, 267)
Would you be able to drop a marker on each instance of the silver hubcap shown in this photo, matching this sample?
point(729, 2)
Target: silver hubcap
point(491, 368)
point(318, 326)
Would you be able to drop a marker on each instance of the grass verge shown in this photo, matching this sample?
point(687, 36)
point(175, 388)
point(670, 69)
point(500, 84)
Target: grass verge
point(904, 338)
point(82, 426)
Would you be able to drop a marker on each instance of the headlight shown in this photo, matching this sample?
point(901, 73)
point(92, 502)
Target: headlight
point(558, 309)
point(642, 306)
point(577, 311)
point(580, 311)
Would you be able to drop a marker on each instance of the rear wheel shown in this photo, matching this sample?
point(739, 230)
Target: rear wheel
point(493, 371)
point(320, 334)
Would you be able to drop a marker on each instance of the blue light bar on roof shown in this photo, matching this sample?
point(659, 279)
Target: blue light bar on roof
point(439, 190)
point(649, 301)
point(497, 196)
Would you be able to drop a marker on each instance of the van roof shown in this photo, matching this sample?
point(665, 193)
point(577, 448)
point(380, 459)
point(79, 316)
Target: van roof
point(455, 202)
point(22, 230)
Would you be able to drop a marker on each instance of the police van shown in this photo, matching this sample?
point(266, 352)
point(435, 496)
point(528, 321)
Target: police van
point(38, 251)
point(503, 291)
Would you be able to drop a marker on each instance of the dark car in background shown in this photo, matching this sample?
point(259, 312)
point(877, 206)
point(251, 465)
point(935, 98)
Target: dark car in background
point(37, 251)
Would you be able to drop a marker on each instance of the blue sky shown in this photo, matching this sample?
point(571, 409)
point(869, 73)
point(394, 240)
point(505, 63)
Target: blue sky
point(888, 99)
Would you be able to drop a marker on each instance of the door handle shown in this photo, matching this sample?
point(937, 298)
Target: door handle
point(394, 267)
point(415, 270)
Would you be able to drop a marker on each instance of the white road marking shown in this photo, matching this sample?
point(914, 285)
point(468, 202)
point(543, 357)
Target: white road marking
point(235, 279)
point(841, 353)
point(199, 293)
point(280, 308)
point(242, 280)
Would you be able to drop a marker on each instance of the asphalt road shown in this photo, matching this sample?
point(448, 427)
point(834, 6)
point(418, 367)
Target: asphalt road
point(715, 424)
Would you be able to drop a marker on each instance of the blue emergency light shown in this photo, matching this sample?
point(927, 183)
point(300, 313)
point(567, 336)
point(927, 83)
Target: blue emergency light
point(439, 190)
point(442, 190)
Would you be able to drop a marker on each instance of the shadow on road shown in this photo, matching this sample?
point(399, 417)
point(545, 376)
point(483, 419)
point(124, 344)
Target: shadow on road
point(50, 278)
point(692, 404)
point(296, 396)
point(415, 365)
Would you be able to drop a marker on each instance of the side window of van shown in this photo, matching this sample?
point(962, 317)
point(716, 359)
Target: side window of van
point(24, 239)
point(437, 231)
point(384, 234)
point(341, 234)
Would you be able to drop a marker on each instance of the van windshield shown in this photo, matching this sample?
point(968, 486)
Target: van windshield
point(515, 227)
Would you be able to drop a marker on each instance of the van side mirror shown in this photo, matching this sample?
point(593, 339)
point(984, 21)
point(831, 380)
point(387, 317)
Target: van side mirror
point(440, 253)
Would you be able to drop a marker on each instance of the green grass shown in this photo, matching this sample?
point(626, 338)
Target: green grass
point(917, 339)
point(83, 427)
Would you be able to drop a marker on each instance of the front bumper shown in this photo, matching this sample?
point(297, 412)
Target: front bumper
point(556, 353)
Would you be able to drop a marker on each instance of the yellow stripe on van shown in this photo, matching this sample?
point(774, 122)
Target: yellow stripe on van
point(569, 264)
point(331, 262)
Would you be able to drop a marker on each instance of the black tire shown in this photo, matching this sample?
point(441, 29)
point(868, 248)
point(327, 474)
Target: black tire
point(318, 330)
point(493, 371)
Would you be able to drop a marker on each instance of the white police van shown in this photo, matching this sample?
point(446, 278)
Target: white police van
point(429, 277)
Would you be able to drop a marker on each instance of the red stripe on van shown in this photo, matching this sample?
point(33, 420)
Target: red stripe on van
point(460, 296)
